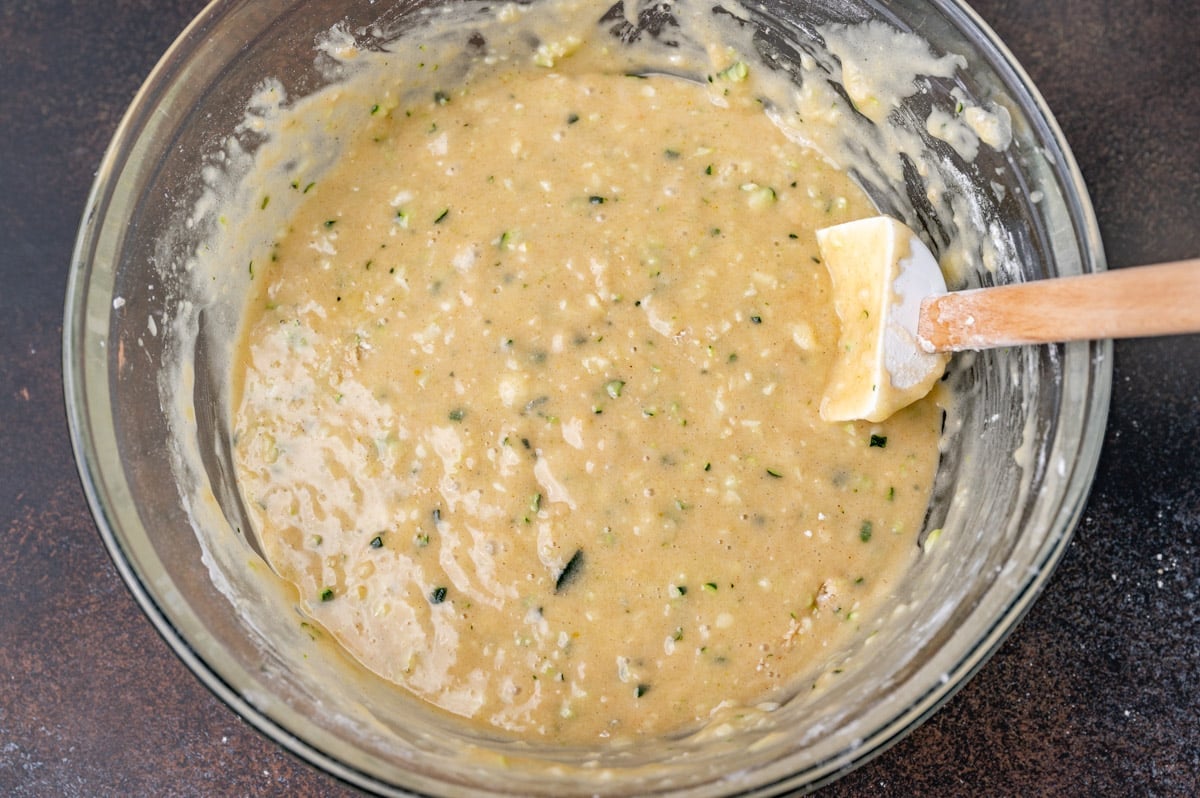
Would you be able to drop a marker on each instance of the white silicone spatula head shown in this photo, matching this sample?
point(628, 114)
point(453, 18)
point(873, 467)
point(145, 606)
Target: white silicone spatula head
point(880, 272)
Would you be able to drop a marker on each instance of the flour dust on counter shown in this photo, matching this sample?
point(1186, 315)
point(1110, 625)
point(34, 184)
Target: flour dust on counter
point(526, 406)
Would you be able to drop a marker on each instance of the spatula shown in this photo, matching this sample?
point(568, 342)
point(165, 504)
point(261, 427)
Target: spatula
point(898, 322)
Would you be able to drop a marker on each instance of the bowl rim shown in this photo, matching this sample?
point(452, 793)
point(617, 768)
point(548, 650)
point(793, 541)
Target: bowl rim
point(81, 409)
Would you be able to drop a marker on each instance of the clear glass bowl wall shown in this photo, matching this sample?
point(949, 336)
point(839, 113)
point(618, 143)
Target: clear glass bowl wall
point(1018, 462)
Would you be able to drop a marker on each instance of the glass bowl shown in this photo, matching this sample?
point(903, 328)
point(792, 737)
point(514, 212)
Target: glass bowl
point(151, 436)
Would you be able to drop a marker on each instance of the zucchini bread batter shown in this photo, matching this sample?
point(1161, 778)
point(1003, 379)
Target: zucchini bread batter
point(527, 404)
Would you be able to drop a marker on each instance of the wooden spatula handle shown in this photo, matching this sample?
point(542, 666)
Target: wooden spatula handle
point(1126, 303)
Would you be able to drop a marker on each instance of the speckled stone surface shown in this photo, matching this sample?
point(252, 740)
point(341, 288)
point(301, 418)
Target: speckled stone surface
point(1096, 693)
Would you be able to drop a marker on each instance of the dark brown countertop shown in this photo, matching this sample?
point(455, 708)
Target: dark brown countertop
point(1096, 693)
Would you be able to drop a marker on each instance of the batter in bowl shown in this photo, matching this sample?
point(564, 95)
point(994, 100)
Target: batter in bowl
point(526, 405)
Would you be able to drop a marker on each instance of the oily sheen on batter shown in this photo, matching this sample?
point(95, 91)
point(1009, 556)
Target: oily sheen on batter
point(527, 402)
